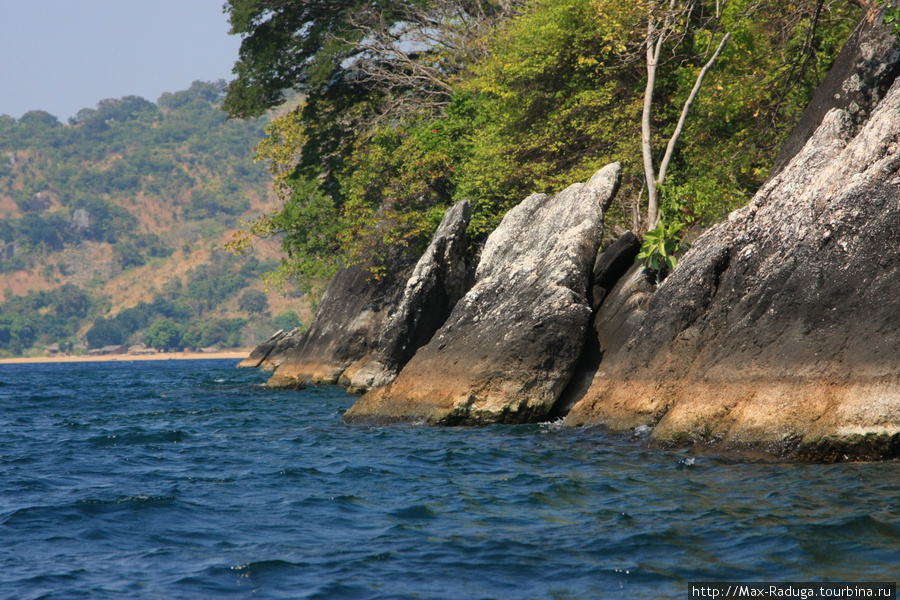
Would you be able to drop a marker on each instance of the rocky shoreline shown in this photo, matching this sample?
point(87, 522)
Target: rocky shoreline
point(779, 330)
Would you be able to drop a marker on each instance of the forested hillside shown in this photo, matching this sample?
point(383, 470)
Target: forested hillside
point(410, 106)
point(113, 227)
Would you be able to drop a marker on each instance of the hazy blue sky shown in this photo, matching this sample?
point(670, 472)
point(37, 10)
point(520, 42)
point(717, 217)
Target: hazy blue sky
point(65, 55)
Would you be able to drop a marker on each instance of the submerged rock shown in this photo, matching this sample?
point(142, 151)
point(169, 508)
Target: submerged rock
point(510, 345)
point(436, 284)
point(781, 326)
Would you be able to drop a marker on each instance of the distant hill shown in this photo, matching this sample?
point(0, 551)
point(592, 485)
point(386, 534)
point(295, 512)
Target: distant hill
point(112, 227)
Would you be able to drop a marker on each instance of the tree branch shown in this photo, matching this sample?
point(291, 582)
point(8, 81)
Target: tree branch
point(670, 147)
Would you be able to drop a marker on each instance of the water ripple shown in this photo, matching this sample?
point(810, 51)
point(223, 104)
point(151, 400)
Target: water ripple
point(189, 480)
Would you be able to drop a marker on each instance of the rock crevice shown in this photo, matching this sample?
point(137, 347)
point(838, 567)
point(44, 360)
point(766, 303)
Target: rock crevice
point(512, 342)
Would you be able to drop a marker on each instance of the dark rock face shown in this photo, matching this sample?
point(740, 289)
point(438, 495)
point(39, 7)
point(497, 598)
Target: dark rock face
point(511, 344)
point(620, 315)
point(781, 326)
point(346, 328)
point(611, 265)
point(860, 77)
point(436, 284)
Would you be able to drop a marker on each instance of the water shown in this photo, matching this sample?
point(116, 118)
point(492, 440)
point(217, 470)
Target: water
point(188, 480)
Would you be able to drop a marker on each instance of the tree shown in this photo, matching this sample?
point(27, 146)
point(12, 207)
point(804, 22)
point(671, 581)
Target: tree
point(128, 255)
point(253, 301)
point(542, 98)
point(768, 55)
point(662, 25)
point(16, 332)
point(105, 332)
point(363, 68)
point(288, 321)
point(164, 334)
point(411, 52)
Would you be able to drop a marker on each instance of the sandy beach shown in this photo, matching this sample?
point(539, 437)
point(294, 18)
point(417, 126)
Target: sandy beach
point(232, 354)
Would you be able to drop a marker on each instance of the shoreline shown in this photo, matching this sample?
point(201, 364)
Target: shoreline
point(231, 354)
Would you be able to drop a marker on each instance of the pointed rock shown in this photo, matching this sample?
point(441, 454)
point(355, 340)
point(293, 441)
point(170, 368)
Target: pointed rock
point(436, 284)
point(261, 352)
point(510, 345)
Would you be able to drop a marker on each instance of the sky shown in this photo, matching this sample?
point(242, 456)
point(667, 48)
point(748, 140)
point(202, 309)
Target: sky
point(64, 55)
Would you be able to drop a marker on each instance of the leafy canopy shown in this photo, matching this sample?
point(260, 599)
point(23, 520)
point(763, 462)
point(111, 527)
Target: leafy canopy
point(553, 93)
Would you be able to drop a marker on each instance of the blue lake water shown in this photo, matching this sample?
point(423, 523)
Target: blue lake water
point(186, 480)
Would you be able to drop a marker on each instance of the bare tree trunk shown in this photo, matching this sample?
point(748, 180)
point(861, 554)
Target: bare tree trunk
point(655, 39)
point(657, 33)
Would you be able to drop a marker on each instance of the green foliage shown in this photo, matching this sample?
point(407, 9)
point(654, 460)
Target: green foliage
point(216, 198)
point(105, 332)
point(308, 225)
point(165, 334)
point(151, 245)
point(253, 301)
point(212, 284)
point(288, 321)
point(16, 332)
point(221, 332)
point(183, 153)
point(557, 94)
point(891, 16)
point(550, 105)
point(128, 255)
point(292, 45)
point(109, 175)
point(48, 232)
point(43, 317)
point(661, 246)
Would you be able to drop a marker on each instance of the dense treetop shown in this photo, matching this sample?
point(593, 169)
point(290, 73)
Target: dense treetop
point(412, 105)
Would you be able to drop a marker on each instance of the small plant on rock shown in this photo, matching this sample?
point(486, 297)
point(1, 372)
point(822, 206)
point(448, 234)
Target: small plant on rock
point(661, 247)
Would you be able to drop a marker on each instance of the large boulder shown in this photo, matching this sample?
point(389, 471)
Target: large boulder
point(436, 284)
point(347, 327)
point(511, 344)
point(781, 326)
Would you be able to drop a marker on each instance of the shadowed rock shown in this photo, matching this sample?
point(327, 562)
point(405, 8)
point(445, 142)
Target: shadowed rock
point(347, 326)
point(780, 327)
point(510, 345)
point(436, 284)
point(620, 315)
point(259, 354)
point(611, 265)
